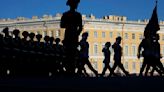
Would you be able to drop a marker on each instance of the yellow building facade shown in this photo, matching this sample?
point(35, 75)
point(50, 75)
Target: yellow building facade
point(100, 31)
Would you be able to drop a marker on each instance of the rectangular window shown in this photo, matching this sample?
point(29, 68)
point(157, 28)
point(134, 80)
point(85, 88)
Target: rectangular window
point(111, 34)
point(95, 34)
point(95, 49)
point(133, 36)
point(134, 66)
point(126, 65)
point(141, 36)
point(50, 33)
point(103, 34)
point(57, 33)
point(134, 50)
point(126, 51)
point(126, 35)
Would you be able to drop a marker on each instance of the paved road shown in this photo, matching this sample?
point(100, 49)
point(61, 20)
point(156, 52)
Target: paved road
point(110, 84)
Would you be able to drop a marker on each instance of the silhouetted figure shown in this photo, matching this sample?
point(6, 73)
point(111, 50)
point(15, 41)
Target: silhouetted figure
point(2, 56)
point(72, 22)
point(107, 54)
point(145, 46)
point(39, 56)
point(51, 58)
point(31, 69)
point(157, 55)
point(59, 52)
point(148, 54)
point(7, 51)
point(24, 56)
point(16, 52)
point(155, 58)
point(117, 56)
point(84, 54)
point(25, 35)
point(46, 51)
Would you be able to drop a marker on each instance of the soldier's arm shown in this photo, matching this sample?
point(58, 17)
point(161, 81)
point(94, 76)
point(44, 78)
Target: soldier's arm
point(62, 23)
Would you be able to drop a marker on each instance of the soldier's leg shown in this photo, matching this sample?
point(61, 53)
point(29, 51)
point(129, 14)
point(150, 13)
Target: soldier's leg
point(113, 69)
point(123, 69)
point(105, 68)
point(147, 69)
point(90, 66)
point(160, 65)
point(80, 66)
point(143, 67)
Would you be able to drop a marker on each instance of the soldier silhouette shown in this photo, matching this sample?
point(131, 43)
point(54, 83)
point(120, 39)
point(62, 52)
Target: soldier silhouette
point(117, 56)
point(46, 51)
point(38, 37)
point(16, 51)
point(7, 51)
point(152, 56)
point(24, 56)
point(2, 56)
point(107, 54)
point(39, 55)
point(25, 35)
point(146, 45)
point(157, 56)
point(31, 69)
point(84, 54)
point(52, 57)
point(72, 22)
point(59, 52)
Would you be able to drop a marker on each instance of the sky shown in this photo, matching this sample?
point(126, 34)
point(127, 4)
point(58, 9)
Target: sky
point(133, 9)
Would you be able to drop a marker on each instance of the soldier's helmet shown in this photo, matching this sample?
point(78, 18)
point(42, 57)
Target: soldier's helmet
point(85, 34)
point(108, 44)
point(5, 30)
point(38, 36)
point(119, 38)
point(31, 35)
point(16, 32)
point(72, 1)
point(25, 33)
point(57, 40)
point(46, 38)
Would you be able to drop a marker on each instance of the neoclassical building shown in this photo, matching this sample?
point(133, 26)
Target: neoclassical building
point(100, 31)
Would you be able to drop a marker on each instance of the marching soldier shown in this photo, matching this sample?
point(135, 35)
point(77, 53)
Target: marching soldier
point(117, 56)
point(16, 52)
point(7, 51)
point(72, 22)
point(107, 54)
point(84, 54)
